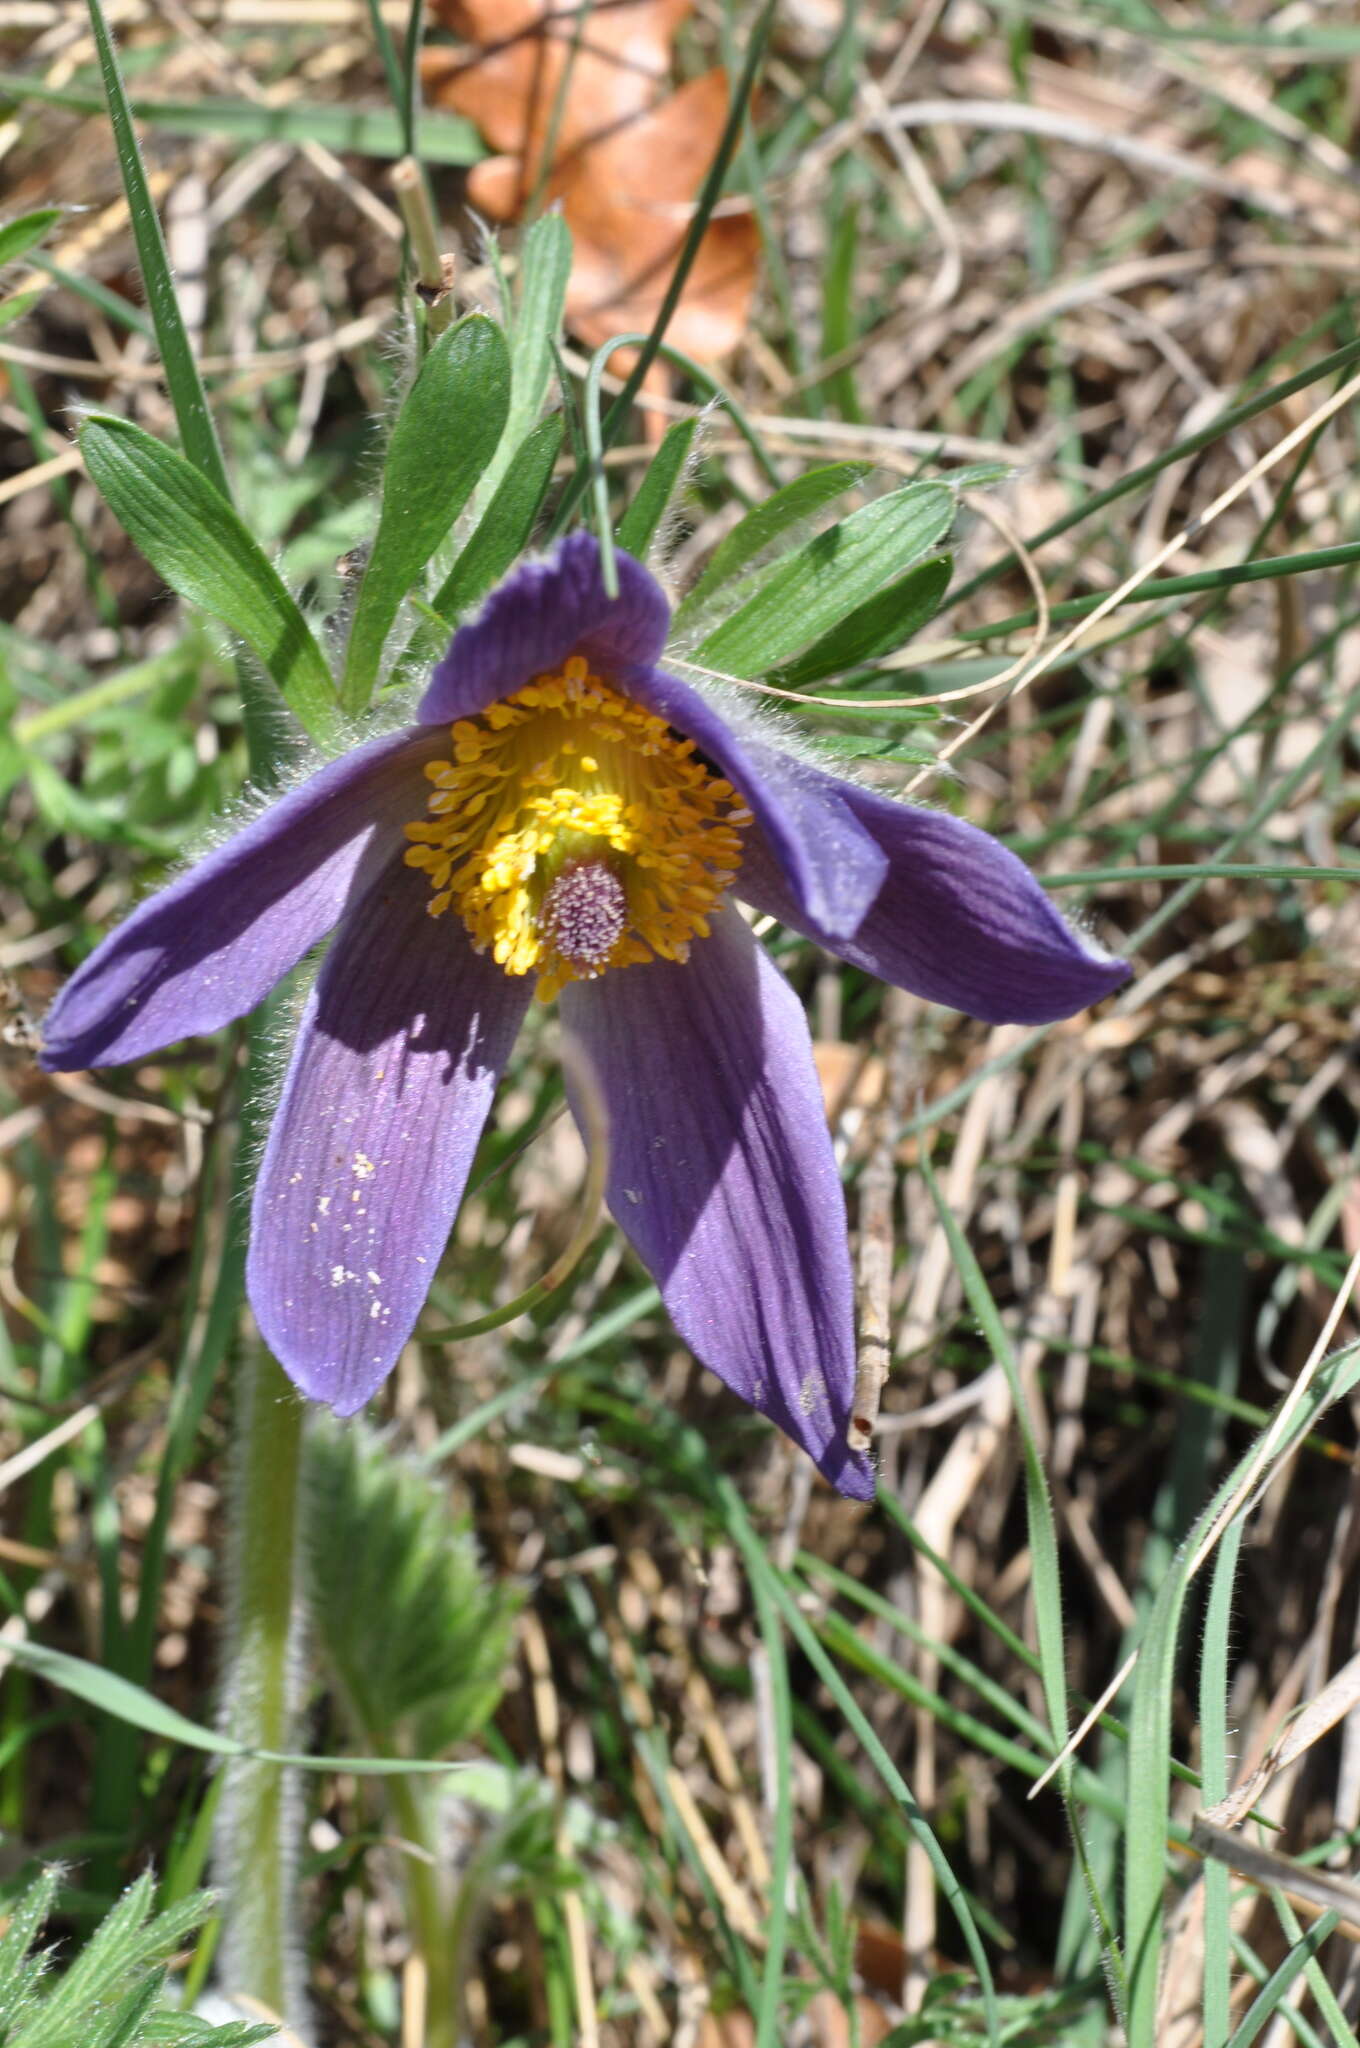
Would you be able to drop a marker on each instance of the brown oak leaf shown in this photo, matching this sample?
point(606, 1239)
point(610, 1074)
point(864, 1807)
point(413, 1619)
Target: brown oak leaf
point(628, 155)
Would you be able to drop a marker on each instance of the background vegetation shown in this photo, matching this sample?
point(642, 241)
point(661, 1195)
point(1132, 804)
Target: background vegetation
point(744, 1763)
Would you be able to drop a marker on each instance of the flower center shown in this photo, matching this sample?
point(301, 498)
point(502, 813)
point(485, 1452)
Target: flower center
point(573, 832)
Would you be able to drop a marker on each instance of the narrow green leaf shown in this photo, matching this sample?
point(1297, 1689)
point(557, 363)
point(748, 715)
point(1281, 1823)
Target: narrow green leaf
point(14, 308)
point(445, 435)
point(874, 628)
point(544, 267)
point(17, 237)
point(358, 131)
point(664, 472)
point(828, 578)
point(1213, 1721)
point(1271, 1994)
point(196, 429)
point(112, 304)
point(797, 501)
point(838, 301)
point(1150, 1734)
point(109, 1694)
point(196, 542)
point(505, 527)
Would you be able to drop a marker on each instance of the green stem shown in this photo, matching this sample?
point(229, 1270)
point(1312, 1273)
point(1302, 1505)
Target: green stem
point(432, 1915)
point(258, 1823)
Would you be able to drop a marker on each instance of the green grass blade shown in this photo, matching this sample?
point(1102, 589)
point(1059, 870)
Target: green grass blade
point(196, 428)
point(445, 435)
point(1132, 480)
point(1150, 1744)
point(17, 237)
point(1271, 1994)
point(1341, 2032)
point(195, 541)
point(1046, 1574)
point(109, 1694)
point(781, 1716)
point(357, 131)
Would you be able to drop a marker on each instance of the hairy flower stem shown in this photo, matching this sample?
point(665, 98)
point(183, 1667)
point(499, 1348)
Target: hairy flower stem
point(256, 1837)
point(255, 1841)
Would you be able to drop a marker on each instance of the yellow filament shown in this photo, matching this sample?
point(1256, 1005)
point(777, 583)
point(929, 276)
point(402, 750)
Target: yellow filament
point(568, 771)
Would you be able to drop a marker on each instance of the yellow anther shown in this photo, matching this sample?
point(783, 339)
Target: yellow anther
point(524, 799)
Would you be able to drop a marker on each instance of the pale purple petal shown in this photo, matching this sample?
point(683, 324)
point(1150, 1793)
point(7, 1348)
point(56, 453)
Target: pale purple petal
point(391, 1080)
point(213, 943)
point(959, 920)
point(722, 1175)
point(543, 612)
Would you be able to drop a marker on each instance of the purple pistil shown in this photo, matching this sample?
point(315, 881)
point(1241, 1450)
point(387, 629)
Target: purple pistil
point(583, 914)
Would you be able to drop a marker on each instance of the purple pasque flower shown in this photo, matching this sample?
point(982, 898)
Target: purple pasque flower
point(567, 818)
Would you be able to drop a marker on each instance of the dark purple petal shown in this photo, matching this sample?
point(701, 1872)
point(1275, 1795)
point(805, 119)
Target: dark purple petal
point(959, 920)
point(831, 864)
point(543, 612)
point(391, 1080)
point(213, 943)
point(722, 1175)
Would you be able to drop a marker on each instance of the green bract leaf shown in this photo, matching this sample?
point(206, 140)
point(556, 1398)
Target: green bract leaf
point(544, 266)
point(193, 539)
point(829, 578)
point(446, 433)
point(874, 628)
point(664, 472)
point(750, 536)
point(109, 1997)
point(17, 237)
point(415, 1634)
point(504, 529)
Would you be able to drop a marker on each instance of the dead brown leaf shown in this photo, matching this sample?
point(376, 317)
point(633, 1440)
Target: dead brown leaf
point(626, 159)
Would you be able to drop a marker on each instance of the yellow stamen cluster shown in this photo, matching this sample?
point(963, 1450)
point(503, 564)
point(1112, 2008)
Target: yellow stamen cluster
point(568, 783)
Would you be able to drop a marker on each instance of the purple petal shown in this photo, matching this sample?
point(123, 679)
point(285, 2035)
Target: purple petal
point(832, 865)
point(722, 1175)
point(959, 920)
point(391, 1080)
point(543, 612)
point(211, 945)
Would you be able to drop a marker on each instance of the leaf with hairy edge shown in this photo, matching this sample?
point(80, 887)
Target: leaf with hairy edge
point(446, 434)
point(413, 1629)
point(875, 628)
point(664, 471)
point(828, 578)
point(750, 536)
point(194, 540)
point(503, 532)
point(196, 429)
point(544, 266)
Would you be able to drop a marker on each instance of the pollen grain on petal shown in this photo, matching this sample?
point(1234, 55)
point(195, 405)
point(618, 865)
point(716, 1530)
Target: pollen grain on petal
point(574, 832)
